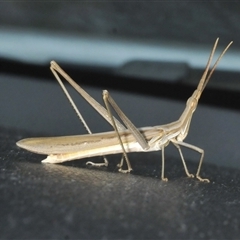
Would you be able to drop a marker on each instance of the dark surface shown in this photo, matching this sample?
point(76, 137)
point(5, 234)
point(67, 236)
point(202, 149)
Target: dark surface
point(72, 201)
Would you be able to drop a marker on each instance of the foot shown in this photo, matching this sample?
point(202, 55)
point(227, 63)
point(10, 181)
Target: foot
point(190, 175)
point(105, 164)
point(125, 171)
point(164, 179)
point(202, 179)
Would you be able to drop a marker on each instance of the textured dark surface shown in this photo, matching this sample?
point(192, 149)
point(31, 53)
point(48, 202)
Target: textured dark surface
point(74, 201)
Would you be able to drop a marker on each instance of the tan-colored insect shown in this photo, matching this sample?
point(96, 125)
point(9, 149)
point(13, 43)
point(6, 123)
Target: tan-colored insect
point(122, 139)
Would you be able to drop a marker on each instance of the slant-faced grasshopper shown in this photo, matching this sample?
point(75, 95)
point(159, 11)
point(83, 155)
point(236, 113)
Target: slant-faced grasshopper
point(122, 139)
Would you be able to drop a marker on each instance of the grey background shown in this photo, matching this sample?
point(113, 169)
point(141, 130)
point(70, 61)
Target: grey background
point(179, 21)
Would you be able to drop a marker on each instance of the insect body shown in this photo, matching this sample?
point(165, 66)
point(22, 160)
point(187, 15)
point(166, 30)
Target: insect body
point(122, 139)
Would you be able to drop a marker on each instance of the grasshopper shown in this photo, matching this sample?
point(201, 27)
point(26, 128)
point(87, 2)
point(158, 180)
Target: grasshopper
point(122, 139)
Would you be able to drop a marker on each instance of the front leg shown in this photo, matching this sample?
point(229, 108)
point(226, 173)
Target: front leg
point(197, 149)
point(199, 168)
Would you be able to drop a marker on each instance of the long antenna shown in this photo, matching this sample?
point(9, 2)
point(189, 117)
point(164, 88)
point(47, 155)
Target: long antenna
point(206, 76)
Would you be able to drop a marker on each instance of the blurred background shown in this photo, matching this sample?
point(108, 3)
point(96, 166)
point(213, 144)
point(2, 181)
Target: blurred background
point(149, 55)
